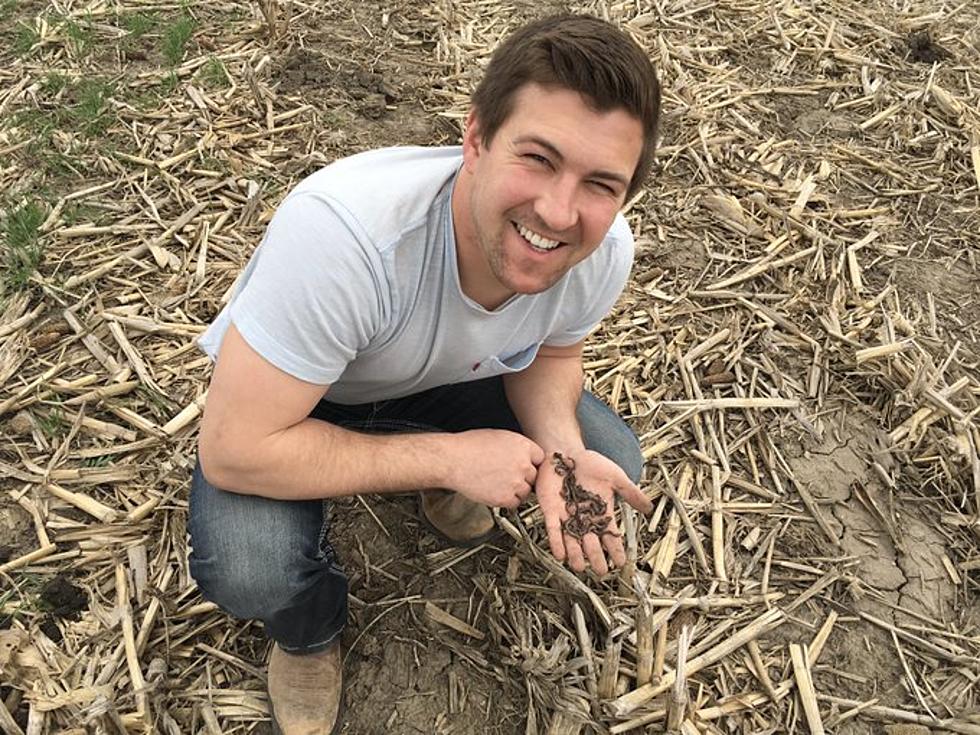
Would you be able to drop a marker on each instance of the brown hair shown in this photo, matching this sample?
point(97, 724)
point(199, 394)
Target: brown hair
point(581, 53)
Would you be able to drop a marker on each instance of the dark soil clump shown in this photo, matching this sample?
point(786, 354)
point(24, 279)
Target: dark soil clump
point(64, 599)
point(924, 50)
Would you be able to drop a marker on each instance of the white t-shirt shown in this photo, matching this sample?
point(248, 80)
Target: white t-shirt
point(355, 285)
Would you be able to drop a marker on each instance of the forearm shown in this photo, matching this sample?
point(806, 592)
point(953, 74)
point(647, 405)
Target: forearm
point(315, 459)
point(544, 398)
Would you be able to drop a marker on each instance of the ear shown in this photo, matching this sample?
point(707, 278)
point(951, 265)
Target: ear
point(472, 140)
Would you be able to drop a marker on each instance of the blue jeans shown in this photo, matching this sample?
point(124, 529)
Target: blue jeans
point(266, 559)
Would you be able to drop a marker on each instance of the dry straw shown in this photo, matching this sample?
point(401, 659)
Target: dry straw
point(804, 296)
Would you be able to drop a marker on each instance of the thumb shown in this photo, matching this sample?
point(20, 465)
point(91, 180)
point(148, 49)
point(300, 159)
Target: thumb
point(537, 454)
point(632, 494)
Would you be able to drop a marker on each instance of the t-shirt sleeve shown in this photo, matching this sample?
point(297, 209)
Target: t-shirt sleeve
point(315, 295)
point(595, 288)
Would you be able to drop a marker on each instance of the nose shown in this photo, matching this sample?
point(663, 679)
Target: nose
point(556, 206)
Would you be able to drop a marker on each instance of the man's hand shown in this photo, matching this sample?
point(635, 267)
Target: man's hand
point(604, 478)
point(495, 467)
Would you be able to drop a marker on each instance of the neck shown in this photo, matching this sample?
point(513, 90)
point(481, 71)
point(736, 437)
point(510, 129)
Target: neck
point(476, 279)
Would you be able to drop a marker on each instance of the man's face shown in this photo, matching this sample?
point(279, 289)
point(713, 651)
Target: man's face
point(542, 195)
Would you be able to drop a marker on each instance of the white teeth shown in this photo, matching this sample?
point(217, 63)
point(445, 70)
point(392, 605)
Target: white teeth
point(536, 240)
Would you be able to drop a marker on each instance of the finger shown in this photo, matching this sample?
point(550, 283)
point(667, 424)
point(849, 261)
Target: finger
point(537, 454)
point(576, 559)
point(615, 549)
point(632, 494)
point(552, 524)
point(531, 475)
point(593, 549)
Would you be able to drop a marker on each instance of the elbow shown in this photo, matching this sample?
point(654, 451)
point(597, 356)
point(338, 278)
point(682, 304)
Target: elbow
point(213, 466)
point(220, 462)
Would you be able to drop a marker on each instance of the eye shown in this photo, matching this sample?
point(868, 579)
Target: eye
point(538, 158)
point(604, 188)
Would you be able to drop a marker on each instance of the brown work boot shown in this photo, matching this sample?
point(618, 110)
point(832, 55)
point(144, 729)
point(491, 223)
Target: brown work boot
point(459, 520)
point(306, 692)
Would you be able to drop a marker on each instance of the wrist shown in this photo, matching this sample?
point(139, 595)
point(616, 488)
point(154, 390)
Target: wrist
point(566, 445)
point(441, 458)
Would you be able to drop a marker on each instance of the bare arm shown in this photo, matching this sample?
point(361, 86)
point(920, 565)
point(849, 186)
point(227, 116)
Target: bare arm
point(256, 438)
point(544, 397)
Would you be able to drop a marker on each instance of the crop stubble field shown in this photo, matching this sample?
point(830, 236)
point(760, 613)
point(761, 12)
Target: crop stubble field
point(797, 349)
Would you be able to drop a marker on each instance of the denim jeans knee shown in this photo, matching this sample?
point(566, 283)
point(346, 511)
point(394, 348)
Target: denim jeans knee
point(605, 432)
point(266, 559)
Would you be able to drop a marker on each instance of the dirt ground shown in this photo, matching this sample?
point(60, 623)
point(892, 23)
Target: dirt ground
point(870, 525)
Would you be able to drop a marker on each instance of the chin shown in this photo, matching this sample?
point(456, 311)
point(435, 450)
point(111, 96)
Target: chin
point(529, 287)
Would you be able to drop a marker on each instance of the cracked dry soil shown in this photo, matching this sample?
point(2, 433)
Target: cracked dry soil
point(896, 553)
point(894, 558)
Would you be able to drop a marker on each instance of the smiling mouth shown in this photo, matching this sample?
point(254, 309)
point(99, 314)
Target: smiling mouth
point(536, 241)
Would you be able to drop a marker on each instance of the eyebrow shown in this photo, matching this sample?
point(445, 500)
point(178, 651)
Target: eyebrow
point(550, 147)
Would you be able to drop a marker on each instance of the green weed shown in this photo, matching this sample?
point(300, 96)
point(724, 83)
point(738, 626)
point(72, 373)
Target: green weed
point(54, 425)
point(91, 114)
point(84, 108)
point(158, 404)
point(53, 83)
point(25, 594)
point(7, 8)
point(35, 122)
point(41, 126)
point(25, 36)
point(138, 24)
point(175, 39)
point(213, 163)
point(58, 164)
point(213, 74)
point(169, 83)
point(79, 35)
point(23, 252)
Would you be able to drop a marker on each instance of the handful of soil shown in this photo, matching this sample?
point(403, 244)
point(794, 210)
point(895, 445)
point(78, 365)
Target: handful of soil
point(586, 510)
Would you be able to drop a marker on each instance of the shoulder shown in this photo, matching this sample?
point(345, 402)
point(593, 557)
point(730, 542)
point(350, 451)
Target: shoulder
point(620, 237)
point(614, 257)
point(384, 191)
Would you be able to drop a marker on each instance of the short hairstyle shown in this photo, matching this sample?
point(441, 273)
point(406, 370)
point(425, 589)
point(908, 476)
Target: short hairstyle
point(581, 53)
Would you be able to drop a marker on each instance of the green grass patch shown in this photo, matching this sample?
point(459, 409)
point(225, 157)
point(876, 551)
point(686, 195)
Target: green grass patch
point(159, 406)
point(53, 83)
point(83, 107)
point(37, 123)
point(48, 157)
point(168, 84)
point(138, 24)
point(22, 249)
point(213, 74)
point(54, 424)
point(25, 36)
point(25, 594)
point(175, 38)
point(7, 8)
point(91, 114)
point(80, 36)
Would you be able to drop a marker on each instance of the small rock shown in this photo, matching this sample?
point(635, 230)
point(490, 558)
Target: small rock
point(22, 423)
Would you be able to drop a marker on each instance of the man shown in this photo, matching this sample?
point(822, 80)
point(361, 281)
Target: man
point(414, 319)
